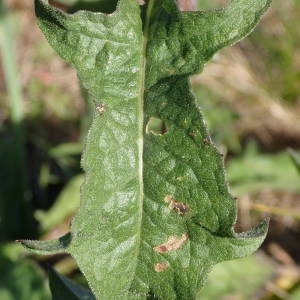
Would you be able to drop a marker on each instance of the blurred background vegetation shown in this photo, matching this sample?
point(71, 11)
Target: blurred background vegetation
point(250, 97)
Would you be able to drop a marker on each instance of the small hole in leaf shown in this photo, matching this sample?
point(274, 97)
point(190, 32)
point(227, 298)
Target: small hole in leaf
point(156, 126)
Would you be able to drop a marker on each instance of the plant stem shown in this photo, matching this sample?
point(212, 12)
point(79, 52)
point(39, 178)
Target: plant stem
point(13, 87)
point(275, 210)
point(9, 66)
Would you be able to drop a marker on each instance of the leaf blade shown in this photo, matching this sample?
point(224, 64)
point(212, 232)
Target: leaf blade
point(160, 214)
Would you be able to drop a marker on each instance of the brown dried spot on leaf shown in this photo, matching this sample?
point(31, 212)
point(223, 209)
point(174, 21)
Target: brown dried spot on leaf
point(187, 5)
point(141, 2)
point(173, 243)
point(161, 267)
point(179, 207)
point(207, 141)
point(101, 109)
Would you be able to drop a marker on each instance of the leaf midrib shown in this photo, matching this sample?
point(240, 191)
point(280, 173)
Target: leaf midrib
point(141, 123)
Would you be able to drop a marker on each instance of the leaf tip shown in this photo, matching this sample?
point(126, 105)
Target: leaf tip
point(47, 247)
point(258, 231)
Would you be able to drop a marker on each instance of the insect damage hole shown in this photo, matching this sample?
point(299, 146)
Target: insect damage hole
point(179, 207)
point(161, 267)
point(156, 126)
point(173, 243)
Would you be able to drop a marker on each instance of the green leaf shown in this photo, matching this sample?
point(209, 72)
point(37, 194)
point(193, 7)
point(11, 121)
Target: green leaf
point(63, 288)
point(20, 278)
point(254, 172)
point(295, 294)
point(65, 205)
point(295, 156)
point(155, 213)
point(225, 279)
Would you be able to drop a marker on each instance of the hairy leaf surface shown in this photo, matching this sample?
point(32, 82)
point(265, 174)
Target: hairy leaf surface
point(155, 213)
